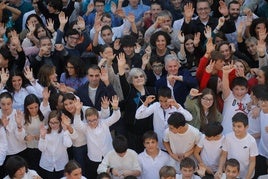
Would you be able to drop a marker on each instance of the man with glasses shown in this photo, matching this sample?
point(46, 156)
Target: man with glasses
point(203, 10)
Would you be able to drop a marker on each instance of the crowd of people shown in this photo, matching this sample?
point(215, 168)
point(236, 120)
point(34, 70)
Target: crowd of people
point(130, 89)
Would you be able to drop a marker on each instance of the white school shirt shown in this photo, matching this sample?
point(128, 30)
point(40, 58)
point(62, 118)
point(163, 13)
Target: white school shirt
point(240, 149)
point(210, 159)
point(263, 146)
point(112, 160)
point(15, 139)
point(181, 143)
point(99, 140)
point(150, 166)
point(54, 150)
point(179, 176)
point(159, 119)
point(3, 145)
point(29, 175)
point(82, 177)
point(230, 108)
point(254, 125)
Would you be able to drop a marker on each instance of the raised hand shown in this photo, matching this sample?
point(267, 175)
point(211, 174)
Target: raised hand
point(262, 34)
point(223, 9)
point(249, 18)
point(145, 59)
point(207, 32)
point(4, 75)
point(65, 121)
point(59, 47)
point(181, 37)
point(62, 18)
point(115, 102)
point(194, 92)
point(240, 28)
point(43, 131)
point(80, 23)
point(210, 66)
point(197, 39)
point(19, 118)
point(149, 99)
point(173, 102)
point(28, 73)
point(137, 48)
point(121, 60)
point(78, 106)
point(50, 25)
point(210, 46)
point(105, 102)
point(221, 22)
point(188, 12)
point(2, 29)
point(228, 68)
point(31, 27)
point(131, 18)
point(104, 76)
point(113, 7)
point(90, 8)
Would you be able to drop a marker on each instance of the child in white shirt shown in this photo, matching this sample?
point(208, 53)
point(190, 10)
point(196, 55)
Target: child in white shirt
point(161, 111)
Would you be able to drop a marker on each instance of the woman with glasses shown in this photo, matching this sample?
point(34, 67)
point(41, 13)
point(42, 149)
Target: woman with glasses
point(203, 107)
point(74, 75)
point(134, 92)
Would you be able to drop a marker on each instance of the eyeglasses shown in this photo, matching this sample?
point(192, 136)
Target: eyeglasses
point(140, 76)
point(207, 99)
point(92, 121)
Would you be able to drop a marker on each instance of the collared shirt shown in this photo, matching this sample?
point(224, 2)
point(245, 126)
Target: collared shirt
point(150, 166)
point(159, 119)
point(54, 150)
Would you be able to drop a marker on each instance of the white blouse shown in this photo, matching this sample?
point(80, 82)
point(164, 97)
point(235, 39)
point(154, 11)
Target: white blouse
point(54, 150)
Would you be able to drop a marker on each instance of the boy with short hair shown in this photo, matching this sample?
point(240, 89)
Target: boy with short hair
point(235, 99)
point(167, 172)
point(180, 138)
point(211, 140)
point(121, 161)
point(240, 145)
point(161, 111)
point(152, 159)
point(232, 169)
point(187, 167)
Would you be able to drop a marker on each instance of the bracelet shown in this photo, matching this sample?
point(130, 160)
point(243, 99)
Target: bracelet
point(262, 56)
point(115, 109)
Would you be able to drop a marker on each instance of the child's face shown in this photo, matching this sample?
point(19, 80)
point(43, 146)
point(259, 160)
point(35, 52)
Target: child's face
point(69, 106)
point(54, 123)
point(33, 109)
point(75, 174)
point(240, 91)
point(92, 121)
point(6, 105)
point(173, 129)
point(264, 105)
point(163, 102)
point(239, 129)
point(151, 145)
point(231, 172)
point(187, 173)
